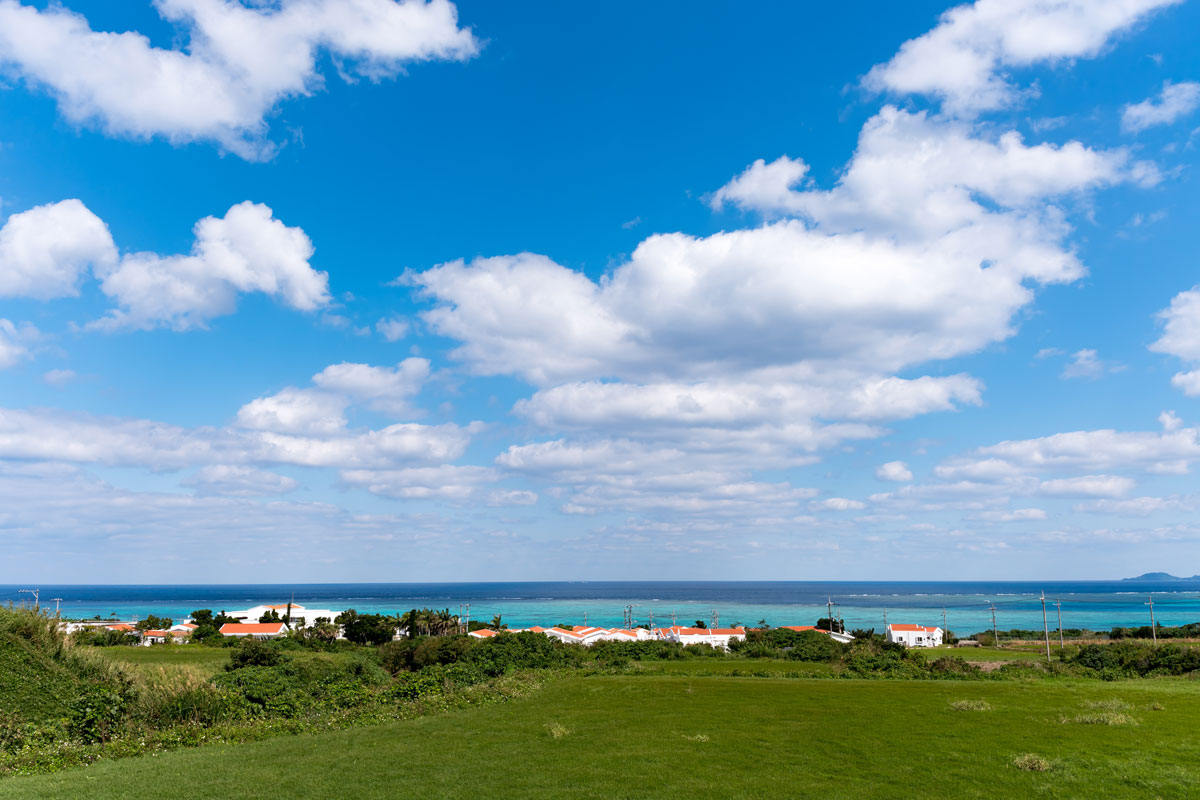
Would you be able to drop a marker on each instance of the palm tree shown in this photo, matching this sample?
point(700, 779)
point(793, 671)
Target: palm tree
point(496, 623)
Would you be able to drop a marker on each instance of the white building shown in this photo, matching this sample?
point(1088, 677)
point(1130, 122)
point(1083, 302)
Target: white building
point(257, 630)
point(579, 635)
point(717, 637)
point(844, 638)
point(914, 635)
point(301, 616)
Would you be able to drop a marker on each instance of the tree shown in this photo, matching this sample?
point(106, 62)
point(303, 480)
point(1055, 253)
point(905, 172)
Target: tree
point(271, 616)
point(366, 628)
point(153, 623)
point(828, 624)
point(700, 624)
point(497, 623)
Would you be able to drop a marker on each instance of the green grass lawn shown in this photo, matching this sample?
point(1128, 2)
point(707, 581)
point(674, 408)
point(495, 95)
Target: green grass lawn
point(688, 736)
point(746, 667)
point(167, 655)
point(987, 653)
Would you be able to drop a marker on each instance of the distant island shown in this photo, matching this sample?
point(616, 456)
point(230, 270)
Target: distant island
point(1161, 576)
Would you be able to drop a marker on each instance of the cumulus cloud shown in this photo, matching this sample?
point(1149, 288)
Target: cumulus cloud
point(1087, 486)
point(239, 481)
point(1084, 364)
point(15, 341)
point(894, 471)
point(247, 250)
point(445, 482)
point(1170, 452)
point(1181, 338)
point(46, 251)
point(85, 439)
point(295, 411)
point(963, 60)
point(838, 504)
point(1016, 515)
point(392, 328)
point(387, 389)
point(1174, 101)
point(59, 378)
point(240, 62)
point(1136, 506)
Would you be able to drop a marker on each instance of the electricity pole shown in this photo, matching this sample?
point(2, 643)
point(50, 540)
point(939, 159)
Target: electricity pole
point(1046, 627)
point(673, 623)
point(885, 623)
point(33, 592)
point(651, 619)
point(943, 623)
point(995, 633)
point(714, 619)
point(56, 600)
point(1058, 603)
point(1153, 627)
point(829, 603)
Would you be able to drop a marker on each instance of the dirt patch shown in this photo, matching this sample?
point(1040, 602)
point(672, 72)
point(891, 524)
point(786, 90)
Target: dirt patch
point(990, 666)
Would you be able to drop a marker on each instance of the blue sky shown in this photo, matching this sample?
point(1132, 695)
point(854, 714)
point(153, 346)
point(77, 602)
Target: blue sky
point(305, 290)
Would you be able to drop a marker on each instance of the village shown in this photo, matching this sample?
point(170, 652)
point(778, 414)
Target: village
point(275, 621)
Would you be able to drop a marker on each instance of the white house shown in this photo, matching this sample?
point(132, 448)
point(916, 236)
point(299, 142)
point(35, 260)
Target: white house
point(844, 638)
point(483, 633)
point(257, 630)
point(300, 615)
point(914, 635)
point(579, 635)
point(717, 637)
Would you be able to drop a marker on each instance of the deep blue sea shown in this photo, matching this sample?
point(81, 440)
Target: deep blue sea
point(1097, 605)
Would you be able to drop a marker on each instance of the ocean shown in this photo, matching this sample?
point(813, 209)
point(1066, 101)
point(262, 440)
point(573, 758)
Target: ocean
point(1096, 605)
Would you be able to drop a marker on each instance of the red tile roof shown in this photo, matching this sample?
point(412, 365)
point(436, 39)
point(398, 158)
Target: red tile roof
point(251, 629)
point(483, 633)
point(912, 628)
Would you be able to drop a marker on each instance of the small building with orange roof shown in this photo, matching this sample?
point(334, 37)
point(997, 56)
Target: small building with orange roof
point(914, 635)
point(257, 630)
point(716, 637)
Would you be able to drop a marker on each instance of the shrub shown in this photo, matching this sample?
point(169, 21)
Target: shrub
point(256, 653)
point(97, 713)
point(1031, 762)
point(971, 705)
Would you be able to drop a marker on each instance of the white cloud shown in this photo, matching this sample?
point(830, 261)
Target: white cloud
point(295, 411)
point(1016, 515)
point(1136, 506)
point(15, 341)
point(1181, 338)
point(445, 482)
point(1169, 452)
point(962, 61)
point(1084, 364)
point(1087, 486)
point(239, 481)
point(837, 504)
point(247, 250)
point(59, 377)
point(894, 471)
point(85, 439)
point(1174, 101)
point(1170, 421)
point(388, 389)
point(45, 251)
point(240, 62)
point(392, 328)
point(516, 497)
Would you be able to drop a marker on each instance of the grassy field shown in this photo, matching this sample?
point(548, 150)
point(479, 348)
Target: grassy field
point(691, 736)
point(988, 653)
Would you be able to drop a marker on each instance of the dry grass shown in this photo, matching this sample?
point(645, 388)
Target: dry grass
point(699, 737)
point(557, 730)
point(971, 705)
point(1031, 762)
point(1101, 718)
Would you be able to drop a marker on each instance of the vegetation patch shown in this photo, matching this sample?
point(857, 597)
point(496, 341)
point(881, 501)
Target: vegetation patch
point(557, 730)
point(1101, 718)
point(971, 705)
point(1031, 762)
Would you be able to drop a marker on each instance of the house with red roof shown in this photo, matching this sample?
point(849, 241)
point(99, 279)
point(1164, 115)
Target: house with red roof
point(483, 633)
point(717, 637)
point(257, 630)
point(844, 638)
point(914, 635)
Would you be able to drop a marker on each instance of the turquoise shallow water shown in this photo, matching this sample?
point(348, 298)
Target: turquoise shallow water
point(1097, 605)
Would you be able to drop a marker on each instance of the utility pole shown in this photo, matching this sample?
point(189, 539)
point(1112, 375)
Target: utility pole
point(585, 619)
point(829, 604)
point(943, 623)
point(1153, 627)
point(1058, 603)
point(714, 619)
point(673, 623)
point(995, 633)
point(33, 592)
point(885, 623)
point(651, 619)
point(56, 600)
point(1045, 627)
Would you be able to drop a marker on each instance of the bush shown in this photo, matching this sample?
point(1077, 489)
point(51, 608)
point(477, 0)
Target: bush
point(97, 713)
point(256, 653)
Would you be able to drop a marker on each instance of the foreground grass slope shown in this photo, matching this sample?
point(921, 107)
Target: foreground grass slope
point(682, 736)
